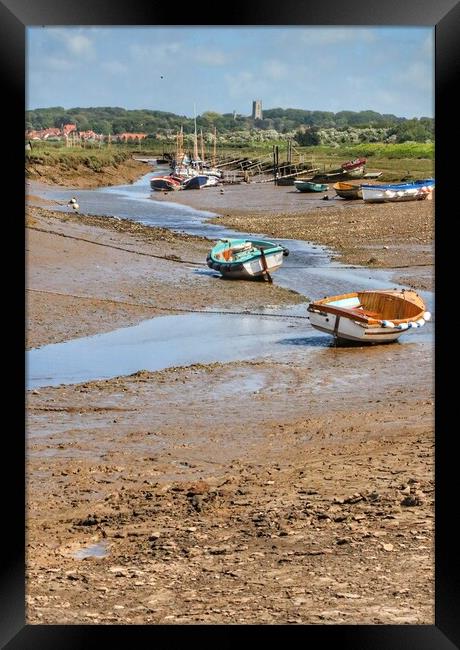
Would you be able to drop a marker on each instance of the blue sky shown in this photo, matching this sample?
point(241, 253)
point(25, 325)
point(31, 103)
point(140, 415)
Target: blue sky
point(385, 69)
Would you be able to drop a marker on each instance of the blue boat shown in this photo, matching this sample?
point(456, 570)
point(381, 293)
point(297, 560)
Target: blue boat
point(199, 181)
point(246, 258)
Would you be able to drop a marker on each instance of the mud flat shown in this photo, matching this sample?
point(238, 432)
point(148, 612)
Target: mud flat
point(397, 236)
point(297, 488)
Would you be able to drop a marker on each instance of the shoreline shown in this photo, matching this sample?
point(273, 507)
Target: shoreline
point(395, 236)
point(291, 490)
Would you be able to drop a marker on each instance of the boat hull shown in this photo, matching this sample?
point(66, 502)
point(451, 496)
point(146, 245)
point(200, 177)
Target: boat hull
point(349, 330)
point(416, 191)
point(380, 316)
point(164, 184)
point(348, 191)
point(200, 181)
point(253, 268)
point(246, 259)
point(306, 186)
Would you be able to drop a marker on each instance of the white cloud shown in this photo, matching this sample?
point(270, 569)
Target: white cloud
point(210, 57)
point(244, 84)
point(332, 35)
point(428, 45)
point(417, 75)
point(59, 63)
point(76, 43)
point(155, 53)
point(114, 67)
point(275, 69)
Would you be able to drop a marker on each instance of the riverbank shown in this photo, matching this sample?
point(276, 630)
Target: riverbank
point(296, 488)
point(80, 175)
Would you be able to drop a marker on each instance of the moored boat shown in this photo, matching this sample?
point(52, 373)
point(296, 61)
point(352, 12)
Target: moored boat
point(379, 316)
point(246, 258)
point(199, 181)
point(309, 186)
point(354, 164)
point(165, 183)
point(415, 190)
point(348, 190)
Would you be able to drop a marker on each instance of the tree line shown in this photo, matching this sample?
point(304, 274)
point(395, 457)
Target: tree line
point(303, 125)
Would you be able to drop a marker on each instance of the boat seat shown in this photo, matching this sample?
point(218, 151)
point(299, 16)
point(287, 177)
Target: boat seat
point(367, 312)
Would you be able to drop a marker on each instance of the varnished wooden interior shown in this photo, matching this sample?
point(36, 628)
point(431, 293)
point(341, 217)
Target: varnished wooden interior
point(374, 306)
point(391, 307)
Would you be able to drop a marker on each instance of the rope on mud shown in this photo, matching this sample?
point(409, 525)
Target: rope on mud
point(118, 248)
point(180, 261)
point(169, 309)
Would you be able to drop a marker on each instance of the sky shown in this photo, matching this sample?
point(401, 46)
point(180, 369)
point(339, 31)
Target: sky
point(223, 69)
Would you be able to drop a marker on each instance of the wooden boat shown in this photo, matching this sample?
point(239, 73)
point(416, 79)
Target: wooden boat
point(348, 190)
point(165, 183)
point(415, 190)
point(246, 258)
point(309, 186)
point(379, 316)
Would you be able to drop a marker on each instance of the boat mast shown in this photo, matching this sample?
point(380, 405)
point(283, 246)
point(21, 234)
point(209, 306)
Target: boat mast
point(195, 141)
point(214, 156)
point(202, 148)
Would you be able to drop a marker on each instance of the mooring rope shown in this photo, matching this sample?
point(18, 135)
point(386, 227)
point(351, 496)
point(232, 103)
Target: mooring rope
point(119, 248)
point(169, 309)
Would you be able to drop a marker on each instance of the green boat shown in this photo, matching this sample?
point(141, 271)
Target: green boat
point(309, 186)
point(246, 258)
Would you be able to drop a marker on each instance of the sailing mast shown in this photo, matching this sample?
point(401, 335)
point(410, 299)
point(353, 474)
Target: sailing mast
point(202, 148)
point(195, 141)
point(214, 156)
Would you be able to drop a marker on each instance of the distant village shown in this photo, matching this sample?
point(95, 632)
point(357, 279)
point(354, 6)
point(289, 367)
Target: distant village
point(70, 134)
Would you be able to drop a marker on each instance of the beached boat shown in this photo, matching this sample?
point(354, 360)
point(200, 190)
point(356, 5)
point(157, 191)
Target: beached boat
point(373, 174)
point(309, 186)
point(165, 183)
point(199, 181)
point(379, 316)
point(415, 190)
point(246, 258)
point(354, 164)
point(348, 190)
point(357, 172)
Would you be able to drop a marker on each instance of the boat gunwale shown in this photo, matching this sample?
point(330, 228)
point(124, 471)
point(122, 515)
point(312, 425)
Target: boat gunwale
point(323, 305)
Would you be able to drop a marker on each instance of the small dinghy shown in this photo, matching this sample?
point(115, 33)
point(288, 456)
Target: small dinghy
point(165, 183)
point(348, 191)
point(309, 186)
point(246, 258)
point(369, 316)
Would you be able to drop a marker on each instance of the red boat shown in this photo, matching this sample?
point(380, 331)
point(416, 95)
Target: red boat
point(165, 183)
point(354, 164)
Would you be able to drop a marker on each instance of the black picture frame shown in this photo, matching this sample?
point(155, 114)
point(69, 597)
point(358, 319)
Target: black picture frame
point(444, 16)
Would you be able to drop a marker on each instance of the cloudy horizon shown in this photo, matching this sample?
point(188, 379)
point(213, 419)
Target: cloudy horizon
point(223, 69)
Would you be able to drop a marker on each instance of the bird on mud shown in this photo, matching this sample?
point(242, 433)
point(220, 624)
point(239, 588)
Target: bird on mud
point(73, 203)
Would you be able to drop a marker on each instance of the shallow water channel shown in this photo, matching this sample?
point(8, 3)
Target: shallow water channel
point(204, 338)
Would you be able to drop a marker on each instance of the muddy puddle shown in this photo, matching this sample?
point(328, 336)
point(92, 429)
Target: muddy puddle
point(169, 341)
point(92, 550)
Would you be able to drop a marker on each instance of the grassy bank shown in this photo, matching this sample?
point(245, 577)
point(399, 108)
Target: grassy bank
point(82, 167)
point(394, 160)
